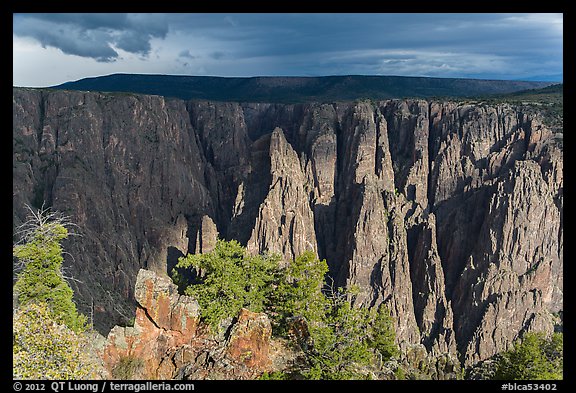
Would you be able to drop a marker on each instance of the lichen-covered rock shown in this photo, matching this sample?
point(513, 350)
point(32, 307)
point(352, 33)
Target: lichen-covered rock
point(164, 320)
point(249, 340)
point(168, 341)
point(159, 300)
point(247, 351)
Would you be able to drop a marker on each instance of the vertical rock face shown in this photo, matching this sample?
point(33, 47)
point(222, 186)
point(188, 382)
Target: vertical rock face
point(498, 224)
point(511, 263)
point(285, 223)
point(432, 309)
point(449, 213)
point(128, 171)
point(408, 130)
point(206, 236)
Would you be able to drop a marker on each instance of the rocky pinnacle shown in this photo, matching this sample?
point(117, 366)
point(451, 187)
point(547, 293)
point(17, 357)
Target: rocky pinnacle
point(450, 213)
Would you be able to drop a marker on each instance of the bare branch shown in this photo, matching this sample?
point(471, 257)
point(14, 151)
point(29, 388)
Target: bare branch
point(41, 222)
point(64, 270)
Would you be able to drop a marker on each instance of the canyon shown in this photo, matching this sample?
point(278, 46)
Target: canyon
point(449, 212)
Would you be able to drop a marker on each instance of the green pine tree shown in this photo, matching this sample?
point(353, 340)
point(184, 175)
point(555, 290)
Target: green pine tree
point(41, 278)
point(340, 342)
point(535, 357)
point(346, 338)
point(228, 278)
point(383, 334)
point(299, 290)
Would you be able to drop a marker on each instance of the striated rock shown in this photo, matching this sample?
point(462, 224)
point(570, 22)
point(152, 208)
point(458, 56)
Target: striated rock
point(317, 138)
point(222, 135)
point(206, 236)
point(432, 310)
point(510, 270)
point(285, 223)
point(126, 169)
point(369, 231)
point(449, 213)
point(408, 133)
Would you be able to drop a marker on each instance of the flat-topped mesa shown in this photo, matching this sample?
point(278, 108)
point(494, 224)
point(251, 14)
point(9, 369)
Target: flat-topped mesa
point(450, 213)
point(286, 89)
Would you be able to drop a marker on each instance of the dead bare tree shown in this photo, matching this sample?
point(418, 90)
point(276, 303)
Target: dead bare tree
point(39, 226)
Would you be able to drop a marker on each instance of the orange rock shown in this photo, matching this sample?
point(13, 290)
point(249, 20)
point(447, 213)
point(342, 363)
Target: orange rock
point(164, 321)
point(249, 340)
point(167, 340)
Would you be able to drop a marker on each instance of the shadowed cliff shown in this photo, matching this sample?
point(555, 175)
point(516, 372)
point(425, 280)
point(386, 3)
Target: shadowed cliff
point(449, 212)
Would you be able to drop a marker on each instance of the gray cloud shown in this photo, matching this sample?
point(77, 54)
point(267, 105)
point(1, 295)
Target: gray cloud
point(187, 54)
point(498, 45)
point(93, 35)
point(133, 42)
point(507, 46)
point(217, 55)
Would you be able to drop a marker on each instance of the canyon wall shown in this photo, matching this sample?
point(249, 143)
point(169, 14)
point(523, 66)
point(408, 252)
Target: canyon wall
point(448, 212)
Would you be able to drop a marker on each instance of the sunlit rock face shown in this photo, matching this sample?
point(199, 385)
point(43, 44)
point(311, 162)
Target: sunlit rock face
point(450, 213)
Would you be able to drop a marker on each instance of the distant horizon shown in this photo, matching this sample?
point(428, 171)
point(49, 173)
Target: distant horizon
point(291, 76)
point(51, 49)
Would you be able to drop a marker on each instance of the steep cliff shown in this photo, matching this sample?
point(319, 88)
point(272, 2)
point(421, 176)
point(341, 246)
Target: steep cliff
point(451, 213)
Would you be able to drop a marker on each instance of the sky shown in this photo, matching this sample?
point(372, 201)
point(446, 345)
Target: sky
point(49, 49)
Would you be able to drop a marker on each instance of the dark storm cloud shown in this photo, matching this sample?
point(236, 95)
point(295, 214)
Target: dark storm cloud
point(451, 45)
point(93, 35)
point(278, 34)
point(430, 44)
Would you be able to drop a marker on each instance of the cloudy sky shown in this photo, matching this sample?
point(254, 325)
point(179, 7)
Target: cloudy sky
point(50, 49)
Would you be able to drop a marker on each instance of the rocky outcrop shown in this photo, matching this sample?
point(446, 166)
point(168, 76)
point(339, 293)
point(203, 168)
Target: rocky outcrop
point(168, 341)
point(519, 245)
point(285, 223)
point(206, 236)
point(450, 213)
point(164, 320)
point(249, 340)
point(432, 309)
